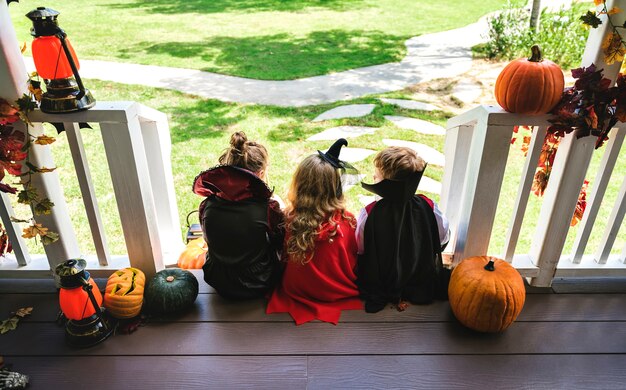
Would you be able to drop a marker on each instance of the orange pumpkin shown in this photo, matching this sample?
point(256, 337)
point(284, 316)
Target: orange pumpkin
point(486, 294)
point(530, 86)
point(194, 254)
point(123, 295)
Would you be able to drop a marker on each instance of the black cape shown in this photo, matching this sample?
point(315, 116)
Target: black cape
point(244, 230)
point(402, 254)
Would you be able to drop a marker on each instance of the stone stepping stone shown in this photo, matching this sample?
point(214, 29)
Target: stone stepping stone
point(430, 155)
point(429, 185)
point(467, 91)
point(410, 104)
point(417, 125)
point(353, 155)
point(348, 111)
point(335, 133)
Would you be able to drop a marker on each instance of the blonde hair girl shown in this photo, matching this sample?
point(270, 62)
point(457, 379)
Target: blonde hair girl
point(320, 245)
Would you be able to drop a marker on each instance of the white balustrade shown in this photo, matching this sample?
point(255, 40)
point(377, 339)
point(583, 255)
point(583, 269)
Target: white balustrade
point(136, 140)
point(479, 141)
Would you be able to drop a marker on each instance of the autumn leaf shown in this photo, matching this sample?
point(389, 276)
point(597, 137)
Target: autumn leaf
point(613, 49)
point(34, 230)
point(45, 170)
point(598, 2)
point(43, 207)
point(49, 238)
point(23, 312)
point(590, 19)
point(614, 10)
point(8, 325)
point(44, 140)
point(23, 47)
point(27, 195)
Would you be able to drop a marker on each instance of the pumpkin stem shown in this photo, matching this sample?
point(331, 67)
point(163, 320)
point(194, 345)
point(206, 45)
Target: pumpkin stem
point(170, 278)
point(489, 266)
point(536, 54)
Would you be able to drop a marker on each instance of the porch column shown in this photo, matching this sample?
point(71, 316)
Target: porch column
point(567, 177)
point(13, 84)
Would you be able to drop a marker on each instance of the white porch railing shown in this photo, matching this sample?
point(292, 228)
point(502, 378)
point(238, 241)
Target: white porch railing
point(477, 147)
point(137, 144)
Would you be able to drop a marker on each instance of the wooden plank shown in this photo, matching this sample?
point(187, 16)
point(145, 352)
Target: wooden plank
point(600, 285)
point(497, 117)
point(163, 372)
point(263, 338)
point(523, 192)
point(213, 308)
point(600, 184)
point(468, 372)
point(88, 192)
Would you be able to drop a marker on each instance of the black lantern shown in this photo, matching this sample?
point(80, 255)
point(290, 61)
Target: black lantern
point(56, 62)
point(80, 302)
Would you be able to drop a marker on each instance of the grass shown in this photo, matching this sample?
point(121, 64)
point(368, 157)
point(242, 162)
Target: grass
point(200, 130)
point(271, 39)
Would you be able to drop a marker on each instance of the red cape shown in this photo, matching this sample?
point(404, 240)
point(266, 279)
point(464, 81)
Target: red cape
point(321, 288)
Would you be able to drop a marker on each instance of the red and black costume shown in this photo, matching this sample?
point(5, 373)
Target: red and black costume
point(323, 287)
point(244, 230)
point(401, 259)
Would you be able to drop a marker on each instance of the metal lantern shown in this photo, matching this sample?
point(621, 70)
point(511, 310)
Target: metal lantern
point(80, 302)
point(56, 62)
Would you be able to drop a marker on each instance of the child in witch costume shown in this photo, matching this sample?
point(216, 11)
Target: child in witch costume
point(400, 236)
point(241, 223)
point(320, 245)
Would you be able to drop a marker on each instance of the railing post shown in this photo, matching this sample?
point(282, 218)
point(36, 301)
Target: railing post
point(488, 153)
point(456, 150)
point(126, 155)
point(13, 83)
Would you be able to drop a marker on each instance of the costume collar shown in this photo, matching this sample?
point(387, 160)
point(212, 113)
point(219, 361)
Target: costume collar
point(396, 190)
point(230, 183)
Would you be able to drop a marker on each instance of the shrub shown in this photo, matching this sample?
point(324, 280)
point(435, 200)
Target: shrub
point(561, 35)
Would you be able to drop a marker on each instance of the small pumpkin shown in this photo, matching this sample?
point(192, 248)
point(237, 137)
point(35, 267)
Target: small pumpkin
point(486, 294)
point(123, 295)
point(170, 291)
point(530, 86)
point(194, 254)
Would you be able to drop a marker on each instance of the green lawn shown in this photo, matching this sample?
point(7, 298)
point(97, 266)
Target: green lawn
point(200, 130)
point(271, 39)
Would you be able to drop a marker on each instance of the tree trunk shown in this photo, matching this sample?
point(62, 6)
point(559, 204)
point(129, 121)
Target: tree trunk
point(534, 15)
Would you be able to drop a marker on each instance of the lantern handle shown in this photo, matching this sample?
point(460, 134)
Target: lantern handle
point(88, 287)
point(62, 35)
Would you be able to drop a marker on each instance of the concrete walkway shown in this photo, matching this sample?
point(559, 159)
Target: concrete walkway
point(430, 56)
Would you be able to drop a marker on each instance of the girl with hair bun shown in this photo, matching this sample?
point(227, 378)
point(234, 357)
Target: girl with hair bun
point(241, 222)
point(319, 280)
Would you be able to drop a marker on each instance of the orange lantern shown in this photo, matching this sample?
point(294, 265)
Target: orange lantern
point(80, 302)
point(56, 62)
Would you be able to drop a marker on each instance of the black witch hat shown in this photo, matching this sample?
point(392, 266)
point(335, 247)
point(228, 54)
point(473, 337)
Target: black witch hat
point(332, 155)
point(349, 174)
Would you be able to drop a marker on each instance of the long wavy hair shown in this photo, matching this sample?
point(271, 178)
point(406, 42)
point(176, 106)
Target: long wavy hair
point(245, 154)
point(311, 201)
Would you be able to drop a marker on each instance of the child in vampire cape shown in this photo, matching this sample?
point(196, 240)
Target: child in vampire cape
point(400, 236)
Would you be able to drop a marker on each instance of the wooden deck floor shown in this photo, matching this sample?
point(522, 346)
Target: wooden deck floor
point(564, 340)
